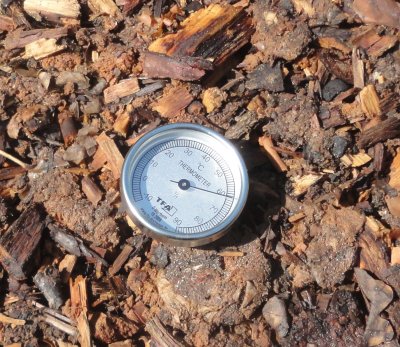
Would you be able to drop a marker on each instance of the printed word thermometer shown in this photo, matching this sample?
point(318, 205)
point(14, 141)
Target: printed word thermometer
point(184, 184)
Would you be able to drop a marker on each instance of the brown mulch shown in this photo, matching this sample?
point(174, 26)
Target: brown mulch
point(308, 90)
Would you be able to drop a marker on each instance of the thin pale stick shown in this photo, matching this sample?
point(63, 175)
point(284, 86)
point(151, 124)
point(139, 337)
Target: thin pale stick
point(15, 160)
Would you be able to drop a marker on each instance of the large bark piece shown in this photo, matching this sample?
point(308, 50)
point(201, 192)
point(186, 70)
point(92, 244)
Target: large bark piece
point(387, 129)
point(214, 33)
point(19, 243)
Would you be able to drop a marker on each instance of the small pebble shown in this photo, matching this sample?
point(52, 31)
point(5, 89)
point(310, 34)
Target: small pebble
point(339, 147)
point(334, 88)
point(266, 78)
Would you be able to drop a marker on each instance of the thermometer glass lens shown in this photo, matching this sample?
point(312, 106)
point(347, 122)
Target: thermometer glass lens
point(184, 183)
point(194, 197)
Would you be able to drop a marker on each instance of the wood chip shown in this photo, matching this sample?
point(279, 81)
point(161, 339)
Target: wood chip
point(358, 69)
point(100, 7)
point(301, 184)
point(355, 160)
point(171, 104)
point(121, 259)
point(122, 122)
point(67, 127)
point(160, 335)
point(370, 101)
point(231, 254)
point(304, 6)
point(79, 309)
point(42, 48)
point(383, 45)
point(126, 343)
point(19, 244)
point(60, 325)
point(8, 320)
point(52, 10)
point(84, 330)
point(393, 204)
point(11, 172)
point(394, 176)
point(296, 217)
point(6, 23)
point(120, 90)
point(366, 39)
point(20, 38)
point(112, 154)
point(66, 266)
point(333, 42)
point(91, 190)
point(213, 98)
point(266, 142)
point(61, 343)
point(395, 256)
point(99, 160)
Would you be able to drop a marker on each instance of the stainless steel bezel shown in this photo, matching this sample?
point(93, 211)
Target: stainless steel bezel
point(149, 140)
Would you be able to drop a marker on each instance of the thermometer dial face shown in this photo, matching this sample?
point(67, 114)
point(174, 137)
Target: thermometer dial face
point(184, 184)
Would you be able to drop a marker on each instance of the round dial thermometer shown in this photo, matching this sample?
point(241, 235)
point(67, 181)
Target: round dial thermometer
point(184, 184)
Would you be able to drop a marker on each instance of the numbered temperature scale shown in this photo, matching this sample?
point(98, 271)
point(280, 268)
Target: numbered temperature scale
point(184, 184)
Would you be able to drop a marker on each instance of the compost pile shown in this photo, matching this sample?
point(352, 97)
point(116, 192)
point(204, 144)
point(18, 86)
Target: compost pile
point(308, 91)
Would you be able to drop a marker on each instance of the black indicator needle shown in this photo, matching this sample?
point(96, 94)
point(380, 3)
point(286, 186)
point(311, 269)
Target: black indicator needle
point(185, 185)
